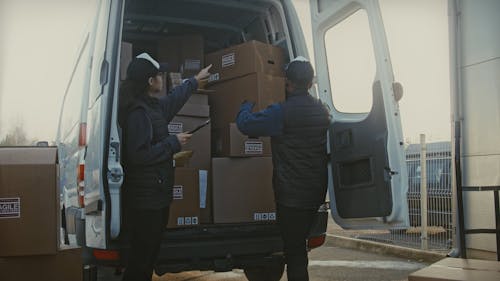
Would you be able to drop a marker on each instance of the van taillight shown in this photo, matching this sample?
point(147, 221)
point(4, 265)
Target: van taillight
point(315, 242)
point(81, 185)
point(106, 254)
point(82, 136)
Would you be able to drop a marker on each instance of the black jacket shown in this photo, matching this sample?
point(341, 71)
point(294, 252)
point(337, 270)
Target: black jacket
point(148, 148)
point(298, 129)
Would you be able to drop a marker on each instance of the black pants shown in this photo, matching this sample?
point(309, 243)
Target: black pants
point(145, 229)
point(295, 225)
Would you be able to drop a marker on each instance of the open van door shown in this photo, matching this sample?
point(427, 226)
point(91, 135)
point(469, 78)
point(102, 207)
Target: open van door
point(367, 172)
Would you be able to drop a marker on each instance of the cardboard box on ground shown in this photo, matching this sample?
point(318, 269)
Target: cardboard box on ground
point(65, 265)
point(453, 269)
point(29, 201)
point(29, 218)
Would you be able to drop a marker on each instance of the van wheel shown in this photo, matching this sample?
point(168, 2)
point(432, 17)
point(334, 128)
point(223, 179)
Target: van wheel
point(272, 272)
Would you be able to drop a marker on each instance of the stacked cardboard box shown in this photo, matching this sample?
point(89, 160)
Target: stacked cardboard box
point(251, 71)
point(65, 265)
point(243, 190)
point(125, 59)
point(242, 177)
point(185, 206)
point(29, 205)
point(30, 218)
point(183, 53)
point(195, 112)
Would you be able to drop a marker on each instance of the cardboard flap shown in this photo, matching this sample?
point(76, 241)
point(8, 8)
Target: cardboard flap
point(28, 155)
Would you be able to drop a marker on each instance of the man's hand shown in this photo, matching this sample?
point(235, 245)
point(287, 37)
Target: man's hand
point(247, 105)
point(184, 138)
point(203, 73)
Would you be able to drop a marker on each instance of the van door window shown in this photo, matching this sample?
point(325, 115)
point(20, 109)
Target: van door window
point(351, 63)
point(70, 116)
point(101, 34)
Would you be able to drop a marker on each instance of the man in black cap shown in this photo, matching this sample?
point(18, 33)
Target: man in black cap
point(298, 129)
point(148, 151)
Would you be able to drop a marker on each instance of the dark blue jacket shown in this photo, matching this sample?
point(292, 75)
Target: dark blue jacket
point(298, 129)
point(149, 148)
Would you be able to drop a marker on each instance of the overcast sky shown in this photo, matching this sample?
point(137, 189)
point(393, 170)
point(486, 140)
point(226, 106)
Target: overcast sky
point(40, 39)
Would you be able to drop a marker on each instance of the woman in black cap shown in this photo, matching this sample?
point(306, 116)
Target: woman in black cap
point(148, 151)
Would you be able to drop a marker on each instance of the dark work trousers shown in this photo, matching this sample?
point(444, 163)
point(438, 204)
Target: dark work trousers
point(295, 225)
point(145, 229)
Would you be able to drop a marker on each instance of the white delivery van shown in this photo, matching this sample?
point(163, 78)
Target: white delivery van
point(367, 175)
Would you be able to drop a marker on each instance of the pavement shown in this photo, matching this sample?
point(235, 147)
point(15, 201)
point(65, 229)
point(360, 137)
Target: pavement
point(338, 237)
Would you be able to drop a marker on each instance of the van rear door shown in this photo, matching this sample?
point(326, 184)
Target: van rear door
point(102, 167)
point(367, 175)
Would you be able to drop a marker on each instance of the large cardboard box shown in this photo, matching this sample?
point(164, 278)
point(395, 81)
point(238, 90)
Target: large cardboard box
point(230, 142)
point(246, 58)
point(242, 190)
point(184, 53)
point(260, 88)
point(29, 201)
point(185, 206)
point(125, 59)
point(453, 269)
point(65, 265)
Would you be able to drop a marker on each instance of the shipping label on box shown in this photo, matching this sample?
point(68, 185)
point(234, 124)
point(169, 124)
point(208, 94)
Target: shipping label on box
point(175, 128)
point(10, 208)
point(178, 192)
point(228, 60)
point(254, 147)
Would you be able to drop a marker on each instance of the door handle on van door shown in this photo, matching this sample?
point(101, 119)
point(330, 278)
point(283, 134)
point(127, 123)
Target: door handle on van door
point(104, 72)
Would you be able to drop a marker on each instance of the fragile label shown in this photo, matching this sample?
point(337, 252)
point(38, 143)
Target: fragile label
point(213, 77)
point(254, 147)
point(10, 208)
point(177, 192)
point(187, 220)
point(264, 216)
point(228, 60)
point(175, 128)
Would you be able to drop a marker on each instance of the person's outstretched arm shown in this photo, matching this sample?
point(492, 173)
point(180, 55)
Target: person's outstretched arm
point(268, 122)
point(175, 100)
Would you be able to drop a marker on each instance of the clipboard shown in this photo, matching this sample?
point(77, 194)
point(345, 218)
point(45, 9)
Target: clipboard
point(199, 127)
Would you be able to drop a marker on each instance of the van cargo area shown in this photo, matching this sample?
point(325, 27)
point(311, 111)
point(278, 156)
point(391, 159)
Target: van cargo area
point(233, 222)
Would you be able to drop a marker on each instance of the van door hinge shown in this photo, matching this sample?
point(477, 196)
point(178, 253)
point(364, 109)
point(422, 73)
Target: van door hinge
point(390, 172)
point(115, 175)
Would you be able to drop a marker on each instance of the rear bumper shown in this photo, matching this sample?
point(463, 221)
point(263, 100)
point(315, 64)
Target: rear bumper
point(217, 247)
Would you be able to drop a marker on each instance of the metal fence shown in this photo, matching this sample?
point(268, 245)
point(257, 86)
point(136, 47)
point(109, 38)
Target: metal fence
point(437, 232)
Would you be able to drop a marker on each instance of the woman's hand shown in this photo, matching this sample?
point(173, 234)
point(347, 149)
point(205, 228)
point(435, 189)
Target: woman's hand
point(203, 73)
point(184, 138)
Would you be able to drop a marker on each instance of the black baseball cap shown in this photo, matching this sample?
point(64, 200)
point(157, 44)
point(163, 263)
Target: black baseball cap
point(144, 66)
point(300, 72)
